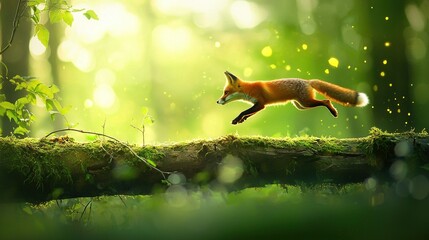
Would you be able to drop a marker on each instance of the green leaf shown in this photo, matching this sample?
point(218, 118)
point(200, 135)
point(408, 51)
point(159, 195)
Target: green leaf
point(151, 162)
point(54, 88)
point(90, 14)
point(12, 115)
point(42, 90)
point(31, 98)
point(21, 131)
point(21, 102)
point(57, 105)
point(148, 121)
point(36, 14)
point(49, 105)
point(52, 114)
point(42, 34)
point(7, 105)
point(68, 17)
point(2, 97)
point(55, 15)
point(65, 109)
point(144, 111)
point(32, 3)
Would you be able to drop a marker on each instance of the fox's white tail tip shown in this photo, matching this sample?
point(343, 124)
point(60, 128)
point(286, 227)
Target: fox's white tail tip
point(362, 100)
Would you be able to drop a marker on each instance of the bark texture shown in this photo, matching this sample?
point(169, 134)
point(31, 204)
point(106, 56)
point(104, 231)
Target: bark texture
point(36, 170)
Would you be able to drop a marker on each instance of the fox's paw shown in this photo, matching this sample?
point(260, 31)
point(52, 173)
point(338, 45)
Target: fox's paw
point(238, 120)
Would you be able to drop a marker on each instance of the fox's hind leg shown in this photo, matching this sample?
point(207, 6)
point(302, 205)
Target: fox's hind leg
point(309, 101)
point(298, 105)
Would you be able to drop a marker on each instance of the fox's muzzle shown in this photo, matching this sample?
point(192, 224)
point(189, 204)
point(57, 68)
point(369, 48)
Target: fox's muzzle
point(221, 101)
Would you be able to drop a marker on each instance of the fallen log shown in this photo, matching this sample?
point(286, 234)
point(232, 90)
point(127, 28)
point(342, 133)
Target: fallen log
point(37, 170)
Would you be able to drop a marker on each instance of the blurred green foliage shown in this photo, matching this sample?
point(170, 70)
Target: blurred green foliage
point(275, 211)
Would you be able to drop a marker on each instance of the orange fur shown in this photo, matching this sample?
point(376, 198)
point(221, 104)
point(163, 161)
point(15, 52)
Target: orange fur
point(301, 92)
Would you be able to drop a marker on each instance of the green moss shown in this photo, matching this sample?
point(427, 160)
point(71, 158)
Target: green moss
point(34, 160)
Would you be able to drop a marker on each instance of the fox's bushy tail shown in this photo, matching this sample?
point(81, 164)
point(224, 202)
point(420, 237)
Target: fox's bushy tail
point(341, 95)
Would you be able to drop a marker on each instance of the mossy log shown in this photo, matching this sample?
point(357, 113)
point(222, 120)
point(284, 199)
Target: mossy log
point(36, 170)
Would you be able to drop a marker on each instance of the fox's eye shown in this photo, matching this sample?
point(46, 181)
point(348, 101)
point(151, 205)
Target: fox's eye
point(226, 92)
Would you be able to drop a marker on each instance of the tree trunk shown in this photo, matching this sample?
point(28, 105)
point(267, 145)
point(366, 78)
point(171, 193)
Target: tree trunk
point(39, 170)
point(15, 58)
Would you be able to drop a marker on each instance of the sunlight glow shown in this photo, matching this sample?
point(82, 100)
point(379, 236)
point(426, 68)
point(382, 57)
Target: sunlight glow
point(84, 60)
point(115, 20)
point(104, 96)
point(105, 76)
point(88, 103)
point(36, 47)
point(172, 39)
point(415, 17)
point(206, 13)
point(212, 124)
point(67, 50)
point(305, 15)
point(70, 51)
point(230, 169)
point(248, 72)
point(247, 14)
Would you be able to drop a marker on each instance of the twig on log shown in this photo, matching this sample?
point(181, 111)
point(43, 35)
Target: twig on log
point(149, 164)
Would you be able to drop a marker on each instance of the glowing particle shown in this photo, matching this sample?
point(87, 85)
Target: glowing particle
point(355, 117)
point(88, 103)
point(365, 48)
point(399, 110)
point(304, 46)
point(409, 114)
point(364, 61)
point(387, 44)
point(273, 66)
point(386, 18)
point(248, 72)
point(375, 88)
point(298, 69)
point(384, 61)
point(327, 71)
point(217, 44)
point(333, 62)
point(267, 51)
point(382, 74)
point(349, 67)
point(390, 85)
point(287, 67)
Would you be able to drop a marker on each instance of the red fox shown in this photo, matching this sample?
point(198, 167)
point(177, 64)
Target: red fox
point(299, 91)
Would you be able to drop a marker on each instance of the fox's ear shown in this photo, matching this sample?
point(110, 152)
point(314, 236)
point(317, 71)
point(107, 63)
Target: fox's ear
point(232, 79)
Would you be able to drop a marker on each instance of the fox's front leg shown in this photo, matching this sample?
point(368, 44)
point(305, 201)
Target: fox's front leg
point(249, 112)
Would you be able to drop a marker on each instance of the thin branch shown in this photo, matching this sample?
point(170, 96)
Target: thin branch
point(163, 173)
point(84, 210)
point(142, 132)
point(17, 18)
